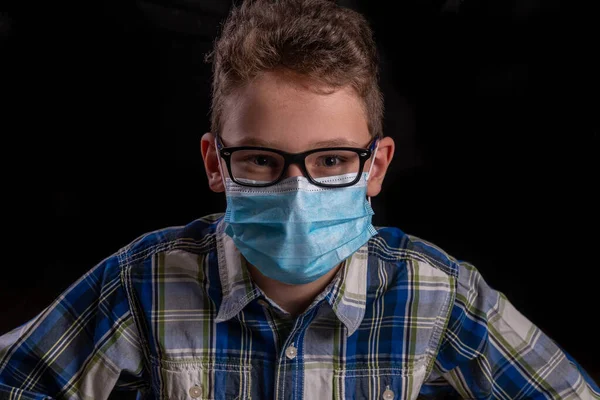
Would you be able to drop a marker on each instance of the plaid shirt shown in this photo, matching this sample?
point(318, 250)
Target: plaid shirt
point(175, 315)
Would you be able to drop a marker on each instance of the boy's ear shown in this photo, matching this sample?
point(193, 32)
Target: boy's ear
point(383, 158)
point(211, 162)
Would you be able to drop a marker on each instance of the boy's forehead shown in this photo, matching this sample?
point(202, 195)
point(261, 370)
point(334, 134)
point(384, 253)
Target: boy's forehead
point(278, 111)
point(251, 140)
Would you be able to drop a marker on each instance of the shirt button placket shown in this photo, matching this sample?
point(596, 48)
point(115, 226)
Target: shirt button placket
point(263, 303)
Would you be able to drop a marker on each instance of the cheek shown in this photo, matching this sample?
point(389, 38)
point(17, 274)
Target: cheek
point(373, 187)
point(369, 167)
point(223, 168)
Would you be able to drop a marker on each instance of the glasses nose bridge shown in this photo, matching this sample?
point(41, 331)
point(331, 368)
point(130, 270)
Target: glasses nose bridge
point(298, 160)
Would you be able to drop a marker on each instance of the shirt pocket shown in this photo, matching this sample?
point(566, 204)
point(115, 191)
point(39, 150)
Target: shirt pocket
point(201, 381)
point(379, 383)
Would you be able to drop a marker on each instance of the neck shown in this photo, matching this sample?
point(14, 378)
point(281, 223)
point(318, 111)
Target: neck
point(294, 299)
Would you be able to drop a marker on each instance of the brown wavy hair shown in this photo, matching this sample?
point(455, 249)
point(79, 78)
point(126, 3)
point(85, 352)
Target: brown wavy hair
point(331, 45)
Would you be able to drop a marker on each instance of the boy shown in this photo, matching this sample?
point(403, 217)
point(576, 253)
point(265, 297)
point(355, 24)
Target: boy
point(292, 293)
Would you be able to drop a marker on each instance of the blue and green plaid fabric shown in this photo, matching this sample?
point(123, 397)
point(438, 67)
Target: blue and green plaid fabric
point(175, 315)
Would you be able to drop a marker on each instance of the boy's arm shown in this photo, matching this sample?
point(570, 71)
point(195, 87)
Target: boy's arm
point(81, 346)
point(490, 350)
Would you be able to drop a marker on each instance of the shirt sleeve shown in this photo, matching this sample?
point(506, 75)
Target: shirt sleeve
point(84, 345)
point(492, 351)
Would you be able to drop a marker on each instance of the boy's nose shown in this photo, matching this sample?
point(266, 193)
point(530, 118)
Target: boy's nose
point(293, 170)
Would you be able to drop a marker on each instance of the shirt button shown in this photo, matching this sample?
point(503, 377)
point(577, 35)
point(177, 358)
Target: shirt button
point(388, 395)
point(195, 391)
point(291, 352)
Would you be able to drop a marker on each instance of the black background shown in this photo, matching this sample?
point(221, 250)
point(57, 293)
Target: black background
point(492, 105)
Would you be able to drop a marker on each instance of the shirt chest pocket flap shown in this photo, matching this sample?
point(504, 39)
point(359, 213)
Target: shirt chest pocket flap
point(380, 383)
point(201, 381)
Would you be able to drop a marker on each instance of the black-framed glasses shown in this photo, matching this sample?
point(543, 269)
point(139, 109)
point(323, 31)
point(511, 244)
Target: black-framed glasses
point(326, 167)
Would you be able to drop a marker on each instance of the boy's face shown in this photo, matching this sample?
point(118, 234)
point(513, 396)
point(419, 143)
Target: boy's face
point(278, 110)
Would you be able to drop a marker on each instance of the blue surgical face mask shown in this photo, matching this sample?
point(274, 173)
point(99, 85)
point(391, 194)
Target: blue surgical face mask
point(294, 231)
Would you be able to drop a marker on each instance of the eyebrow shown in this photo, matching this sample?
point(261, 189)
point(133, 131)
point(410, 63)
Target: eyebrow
point(338, 142)
point(341, 142)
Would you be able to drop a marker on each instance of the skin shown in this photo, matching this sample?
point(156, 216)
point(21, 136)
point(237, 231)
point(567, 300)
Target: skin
point(279, 110)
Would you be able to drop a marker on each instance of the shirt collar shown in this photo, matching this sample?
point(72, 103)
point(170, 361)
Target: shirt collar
point(346, 294)
point(238, 288)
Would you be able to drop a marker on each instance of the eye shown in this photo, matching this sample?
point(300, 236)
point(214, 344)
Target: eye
point(261, 161)
point(330, 161)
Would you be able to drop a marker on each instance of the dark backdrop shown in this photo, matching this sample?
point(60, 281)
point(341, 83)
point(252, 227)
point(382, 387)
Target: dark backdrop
point(492, 104)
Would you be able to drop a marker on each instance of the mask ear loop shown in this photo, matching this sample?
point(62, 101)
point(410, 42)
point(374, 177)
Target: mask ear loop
point(371, 167)
point(219, 161)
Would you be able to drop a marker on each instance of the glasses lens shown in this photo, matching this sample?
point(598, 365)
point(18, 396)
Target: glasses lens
point(330, 163)
point(257, 167)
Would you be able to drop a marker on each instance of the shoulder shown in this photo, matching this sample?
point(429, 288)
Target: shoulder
point(197, 237)
point(403, 251)
point(393, 245)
